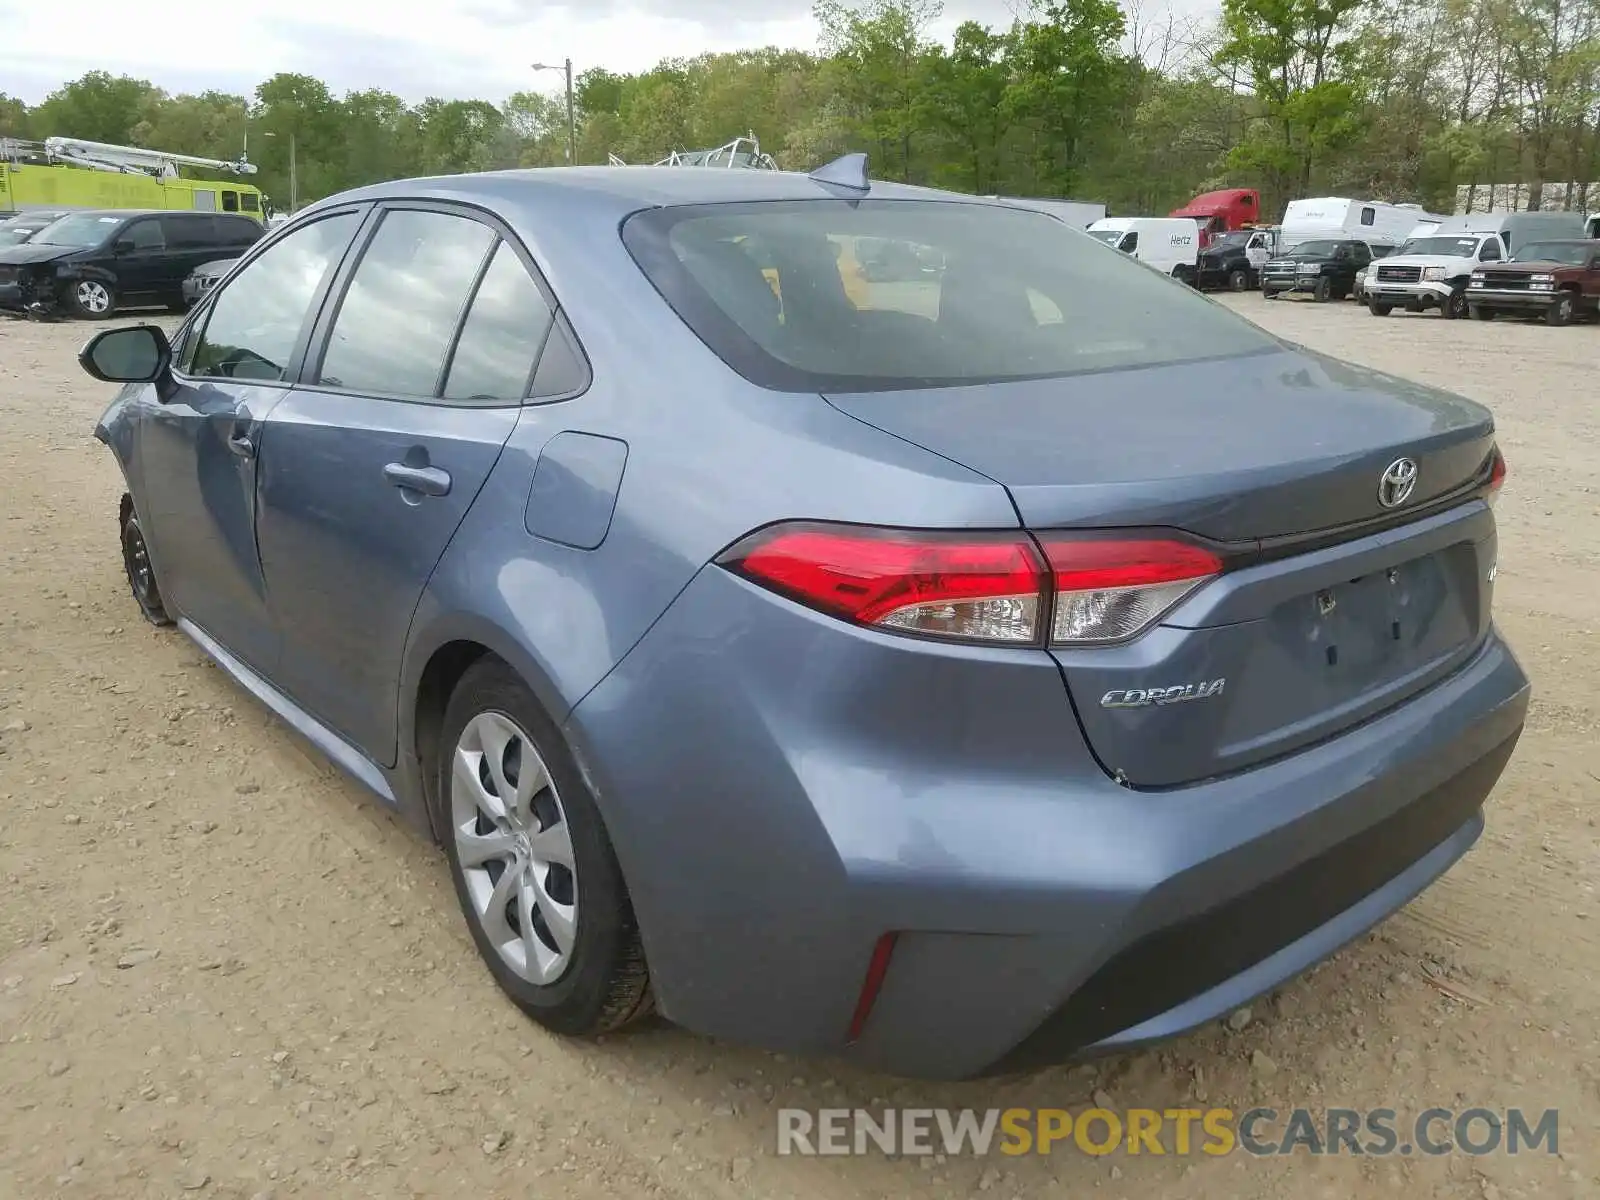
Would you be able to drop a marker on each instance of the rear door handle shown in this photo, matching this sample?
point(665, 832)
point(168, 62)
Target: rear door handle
point(241, 445)
point(430, 481)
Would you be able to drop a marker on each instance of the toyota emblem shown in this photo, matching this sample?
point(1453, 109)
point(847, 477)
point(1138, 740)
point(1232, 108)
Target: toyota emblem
point(1398, 481)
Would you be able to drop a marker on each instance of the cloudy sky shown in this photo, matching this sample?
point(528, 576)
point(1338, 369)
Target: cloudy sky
point(448, 48)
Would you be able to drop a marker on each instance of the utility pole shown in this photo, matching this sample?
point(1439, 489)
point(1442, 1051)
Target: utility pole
point(294, 175)
point(572, 122)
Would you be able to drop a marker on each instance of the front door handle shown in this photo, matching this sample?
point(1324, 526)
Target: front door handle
point(430, 481)
point(240, 444)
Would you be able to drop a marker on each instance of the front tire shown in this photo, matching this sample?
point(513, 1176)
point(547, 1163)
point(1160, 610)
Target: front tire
point(1322, 289)
point(1454, 305)
point(1378, 308)
point(92, 298)
point(141, 572)
point(533, 866)
point(1560, 311)
point(1238, 281)
point(1480, 313)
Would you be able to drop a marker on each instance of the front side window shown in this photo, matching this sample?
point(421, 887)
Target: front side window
point(249, 202)
point(230, 201)
point(1490, 251)
point(144, 235)
point(403, 305)
point(1018, 296)
point(1130, 243)
point(500, 339)
point(256, 320)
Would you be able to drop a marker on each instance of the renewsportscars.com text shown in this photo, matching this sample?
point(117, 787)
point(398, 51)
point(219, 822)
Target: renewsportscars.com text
point(1379, 1132)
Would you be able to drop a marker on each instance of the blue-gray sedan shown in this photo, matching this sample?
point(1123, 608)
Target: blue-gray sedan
point(1012, 658)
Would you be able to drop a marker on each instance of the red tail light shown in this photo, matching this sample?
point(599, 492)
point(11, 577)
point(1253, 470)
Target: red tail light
point(1497, 475)
point(977, 587)
point(969, 586)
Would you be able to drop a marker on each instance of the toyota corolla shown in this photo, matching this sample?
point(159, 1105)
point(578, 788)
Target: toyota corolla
point(1024, 660)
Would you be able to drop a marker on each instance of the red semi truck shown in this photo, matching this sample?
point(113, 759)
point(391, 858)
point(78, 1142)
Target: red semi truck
point(1218, 212)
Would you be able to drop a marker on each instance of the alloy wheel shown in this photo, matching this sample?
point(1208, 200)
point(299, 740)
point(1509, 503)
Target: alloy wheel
point(136, 557)
point(514, 848)
point(94, 297)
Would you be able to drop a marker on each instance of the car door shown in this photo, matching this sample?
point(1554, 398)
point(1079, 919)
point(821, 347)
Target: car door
point(191, 240)
point(198, 448)
point(140, 251)
point(371, 463)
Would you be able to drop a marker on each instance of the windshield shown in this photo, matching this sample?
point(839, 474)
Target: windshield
point(1573, 254)
point(1109, 236)
point(1315, 249)
point(1236, 238)
point(80, 230)
point(1450, 247)
point(777, 290)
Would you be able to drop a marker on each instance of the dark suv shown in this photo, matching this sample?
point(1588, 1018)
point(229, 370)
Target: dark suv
point(91, 263)
point(1325, 267)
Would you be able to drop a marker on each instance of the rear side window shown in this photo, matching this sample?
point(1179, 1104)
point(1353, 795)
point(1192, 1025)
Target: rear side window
point(997, 293)
point(189, 232)
point(500, 339)
point(256, 320)
point(404, 303)
point(230, 201)
point(238, 231)
point(1369, 216)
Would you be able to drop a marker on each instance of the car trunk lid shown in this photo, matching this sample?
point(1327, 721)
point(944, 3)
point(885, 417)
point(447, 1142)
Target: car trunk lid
point(1340, 607)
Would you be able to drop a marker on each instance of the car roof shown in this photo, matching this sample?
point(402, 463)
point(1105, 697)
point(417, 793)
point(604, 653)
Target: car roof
point(605, 193)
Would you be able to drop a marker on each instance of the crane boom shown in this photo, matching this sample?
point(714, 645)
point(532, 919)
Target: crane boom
point(102, 156)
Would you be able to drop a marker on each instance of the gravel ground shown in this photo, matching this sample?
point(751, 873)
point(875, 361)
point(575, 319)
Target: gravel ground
point(224, 972)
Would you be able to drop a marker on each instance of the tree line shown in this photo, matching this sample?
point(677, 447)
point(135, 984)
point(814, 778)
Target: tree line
point(1403, 100)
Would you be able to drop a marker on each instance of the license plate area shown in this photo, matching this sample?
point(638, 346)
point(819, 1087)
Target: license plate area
point(1365, 631)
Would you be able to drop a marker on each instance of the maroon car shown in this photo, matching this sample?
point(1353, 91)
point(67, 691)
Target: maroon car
point(1560, 280)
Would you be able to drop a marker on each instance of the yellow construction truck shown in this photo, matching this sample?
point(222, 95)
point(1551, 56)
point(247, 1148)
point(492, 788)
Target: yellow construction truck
point(69, 173)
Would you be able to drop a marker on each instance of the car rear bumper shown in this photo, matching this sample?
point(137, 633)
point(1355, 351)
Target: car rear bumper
point(1511, 299)
point(783, 791)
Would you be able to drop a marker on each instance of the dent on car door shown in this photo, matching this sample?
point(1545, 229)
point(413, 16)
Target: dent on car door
point(199, 448)
point(371, 464)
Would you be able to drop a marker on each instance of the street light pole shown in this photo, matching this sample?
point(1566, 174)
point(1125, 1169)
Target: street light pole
point(572, 124)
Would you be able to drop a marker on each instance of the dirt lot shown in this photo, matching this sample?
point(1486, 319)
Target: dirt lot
point(224, 972)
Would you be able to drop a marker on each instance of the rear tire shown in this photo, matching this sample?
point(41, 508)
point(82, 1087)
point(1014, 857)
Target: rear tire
point(560, 936)
point(1560, 311)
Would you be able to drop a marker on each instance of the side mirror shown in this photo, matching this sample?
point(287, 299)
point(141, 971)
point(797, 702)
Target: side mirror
point(133, 354)
point(123, 246)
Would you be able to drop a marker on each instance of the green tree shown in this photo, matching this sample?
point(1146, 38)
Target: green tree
point(99, 107)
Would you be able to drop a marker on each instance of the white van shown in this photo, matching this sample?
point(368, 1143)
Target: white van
point(1170, 245)
point(1433, 270)
point(1336, 218)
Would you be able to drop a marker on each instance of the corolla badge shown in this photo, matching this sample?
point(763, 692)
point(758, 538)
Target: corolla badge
point(1398, 481)
point(1173, 694)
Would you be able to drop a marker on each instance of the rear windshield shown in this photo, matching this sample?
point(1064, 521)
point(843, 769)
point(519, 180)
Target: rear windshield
point(802, 295)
